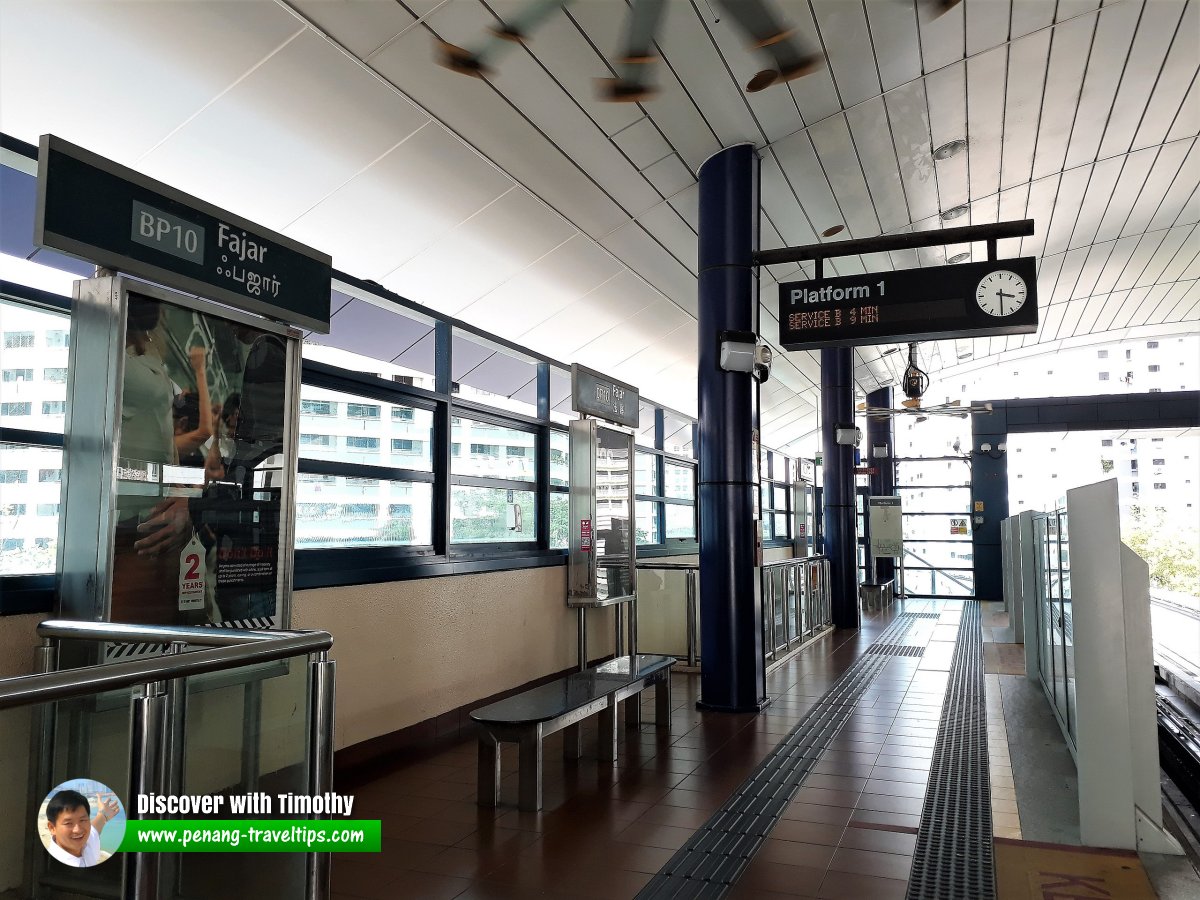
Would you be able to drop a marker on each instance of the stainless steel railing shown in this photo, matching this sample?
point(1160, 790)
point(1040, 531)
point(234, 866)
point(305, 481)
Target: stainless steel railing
point(795, 596)
point(157, 711)
point(796, 603)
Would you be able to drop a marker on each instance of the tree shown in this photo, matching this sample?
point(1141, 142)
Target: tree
point(1172, 553)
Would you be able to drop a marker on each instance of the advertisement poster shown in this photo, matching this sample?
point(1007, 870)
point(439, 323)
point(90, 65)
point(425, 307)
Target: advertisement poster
point(201, 469)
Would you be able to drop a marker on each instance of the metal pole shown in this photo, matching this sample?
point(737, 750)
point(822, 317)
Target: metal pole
point(147, 738)
point(633, 630)
point(619, 630)
point(41, 755)
point(582, 636)
point(690, 595)
point(320, 759)
point(174, 753)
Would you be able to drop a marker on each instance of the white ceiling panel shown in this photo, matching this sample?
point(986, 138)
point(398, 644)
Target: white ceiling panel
point(361, 26)
point(815, 94)
point(473, 110)
point(802, 170)
point(896, 40)
point(1069, 48)
point(1029, 16)
point(1115, 26)
point(947, 94)
point(986, 75)
point(332, 122)
point(873, 142)
point(1147, 245)
point(1156, 30)
point(943, 38)
point(1068, 275)
point(1184, 257)
point(501, 240)
point(59, 77)
point(595, 313)
point(1069, 9)
point(1102, 181)
point(1040, 208)
point(631, 245)
point(847, 40)
point(839, 159)
point(1126, 192)
point(670, 176)
point(1027, 61)
point(1187, 120)
point(1097, 260)
point(1177, 76)
point(1160, 180)
point(1186, 181)
point(431, 176)
point(641, 141)
point(558, 279)
point(987, 24)
point(908, 113)
point(669, 229)
point(1071, 190)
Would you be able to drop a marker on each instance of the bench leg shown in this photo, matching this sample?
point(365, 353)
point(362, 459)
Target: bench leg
point(488, 790)
point(662, 703)
point(530, 765)
point(633, 711)
point(606, 733)
point(572, 742)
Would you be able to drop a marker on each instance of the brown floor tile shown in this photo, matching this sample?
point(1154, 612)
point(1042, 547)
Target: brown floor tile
point(894, 788)
point(879, 840)
point(651, 834)
point(795, 853)
point(823, 833)
point(824, 797)
point(890, 773)
point(813, 812)
point(871, 862)
point(792, 881)
point(866, 817)
point(679, 816)
point(847, 886)
point(835, 782)
point(424, 886)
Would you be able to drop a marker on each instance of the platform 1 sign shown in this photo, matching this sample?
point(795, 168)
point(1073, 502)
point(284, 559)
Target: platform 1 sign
point(110, 215)
point(597, 395)
point(968, 300)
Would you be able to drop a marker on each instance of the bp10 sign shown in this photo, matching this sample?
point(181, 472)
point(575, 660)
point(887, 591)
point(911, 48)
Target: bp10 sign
point(969, 300)
point(107, 214)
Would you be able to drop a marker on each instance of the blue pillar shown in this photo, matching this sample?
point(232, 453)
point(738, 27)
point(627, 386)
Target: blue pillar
point(883, 482)
point(732, 677)
point(841, 546)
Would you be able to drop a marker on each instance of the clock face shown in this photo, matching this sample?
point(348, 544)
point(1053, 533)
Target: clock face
point(1001, 293)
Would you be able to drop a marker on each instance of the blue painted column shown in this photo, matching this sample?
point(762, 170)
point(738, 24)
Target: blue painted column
point(989, 486)
point(732, 677)
point(883, 483)
point(837, 408)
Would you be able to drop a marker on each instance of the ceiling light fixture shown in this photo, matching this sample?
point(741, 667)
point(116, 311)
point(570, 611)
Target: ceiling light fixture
point(832, 230)
point(949, 149)
point(955, 212)
point(966, 355)
point(958, 257)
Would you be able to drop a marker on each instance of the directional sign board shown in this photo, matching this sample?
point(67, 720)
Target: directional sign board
point(107, 214)
point(597, 395)
point(968, 300)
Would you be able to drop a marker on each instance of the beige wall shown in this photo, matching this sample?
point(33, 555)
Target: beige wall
point(411, 650)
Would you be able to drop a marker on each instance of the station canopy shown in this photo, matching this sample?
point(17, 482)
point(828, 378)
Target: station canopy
point(525, 204)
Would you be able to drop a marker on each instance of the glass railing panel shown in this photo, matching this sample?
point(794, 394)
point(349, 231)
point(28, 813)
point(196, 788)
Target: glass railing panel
point(779, 603)
point(793, 618)
point(662, 611)
point(246, 731)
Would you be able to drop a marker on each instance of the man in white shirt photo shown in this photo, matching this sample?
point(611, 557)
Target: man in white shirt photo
point(74, 837)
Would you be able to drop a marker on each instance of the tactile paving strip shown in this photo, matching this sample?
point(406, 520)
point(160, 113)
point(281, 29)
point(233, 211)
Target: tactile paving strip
point(896, 650)
point(953, 857)
point(711, 861)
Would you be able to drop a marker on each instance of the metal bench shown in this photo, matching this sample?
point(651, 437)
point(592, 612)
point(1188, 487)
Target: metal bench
point(527, 718)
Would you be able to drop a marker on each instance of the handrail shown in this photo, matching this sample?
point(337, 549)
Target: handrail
point(678, 567)
point(792, 560)
point(21, 690)
point(124, 633)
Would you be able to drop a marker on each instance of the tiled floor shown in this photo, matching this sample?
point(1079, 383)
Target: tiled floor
point(605, 829)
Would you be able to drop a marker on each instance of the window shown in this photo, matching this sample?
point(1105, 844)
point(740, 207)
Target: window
point(400, 510)
point(58, 338)
point(360, 510)
point(18, 340)
point(18, 374)
point(491, 515)
point(1160, 485)
point(1153, 368)
point(13, 509)
point(492, 450)
point(316, 440)
point(1102, 354)
point(1158, 441)
point(49, 476)
point(407, 445)
point(516, 452)
point(1104, 376)
point(403, 413)
point(47, 509)
point(55, 375)
point(1129, 354)
point(54, 407)
point(1151, 345)
point(12, 544)
point(16, 409)
point(358, 442)
point(362, 411)
point(1160, 462)
point(318, 408)
point(14, 476)
point(1107, 442)
point(1155, 390)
